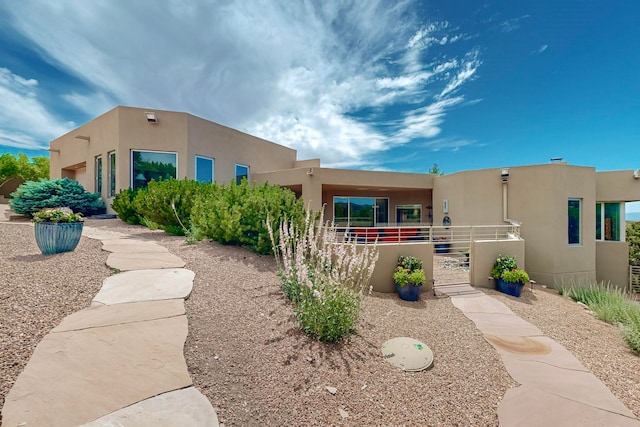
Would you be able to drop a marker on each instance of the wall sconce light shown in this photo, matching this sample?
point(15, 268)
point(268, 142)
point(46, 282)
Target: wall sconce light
point(504, 174)
point(310, 171)
point(151, 117)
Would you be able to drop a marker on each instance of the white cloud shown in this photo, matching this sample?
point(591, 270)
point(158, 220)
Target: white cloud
point(513, 24)
point(296, 73)
point(24, 122)
point(543, 48)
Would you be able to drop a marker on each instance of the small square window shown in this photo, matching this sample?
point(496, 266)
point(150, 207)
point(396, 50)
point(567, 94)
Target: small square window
point(242, 171)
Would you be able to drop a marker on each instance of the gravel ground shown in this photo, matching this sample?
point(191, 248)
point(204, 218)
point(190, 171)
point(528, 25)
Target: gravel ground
point(245, 353)
point(38, 291)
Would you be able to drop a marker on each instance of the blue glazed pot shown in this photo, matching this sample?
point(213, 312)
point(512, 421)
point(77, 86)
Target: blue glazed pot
point(409, 292)
point(55, 237)
point(514, 289)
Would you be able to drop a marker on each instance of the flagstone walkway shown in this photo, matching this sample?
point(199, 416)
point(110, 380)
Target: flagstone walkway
point(556, 389)
point(119, 362)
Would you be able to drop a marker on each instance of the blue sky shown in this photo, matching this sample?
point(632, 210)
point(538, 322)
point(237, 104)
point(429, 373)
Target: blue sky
point(366, 84)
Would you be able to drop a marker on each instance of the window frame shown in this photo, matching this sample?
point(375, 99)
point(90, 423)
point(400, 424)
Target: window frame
point(406, 207)
point(98, 174)
point(238, 181)
point(375, 208)
point(601, 217)
point(131, 162)
point(578, 221)
point(213, 167)
point(112, 169)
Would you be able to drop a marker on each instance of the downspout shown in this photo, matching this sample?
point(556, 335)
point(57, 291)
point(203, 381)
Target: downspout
point(504, 175)
point(505, 202)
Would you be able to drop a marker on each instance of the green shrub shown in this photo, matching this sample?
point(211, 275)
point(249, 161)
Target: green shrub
point(631, 333)
point(503, 263)
point(515, 276)
point(237, 214)
point(33, 196)
point(125, 208)
point(169, 203)
point(610, 305)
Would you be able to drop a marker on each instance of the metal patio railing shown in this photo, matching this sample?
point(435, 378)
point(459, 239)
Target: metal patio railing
point(634, 279)
point(438, 235)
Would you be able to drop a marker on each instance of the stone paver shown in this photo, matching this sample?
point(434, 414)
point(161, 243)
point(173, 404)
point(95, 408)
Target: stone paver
point(184, 408)
point(526, 406)
point(119, 362)
point(454, 290)
point(75, 377)
point(136, 261)
point(132, 246)
point(556, 389)
point(146, 285)
point(119, 314)
point(99, 234)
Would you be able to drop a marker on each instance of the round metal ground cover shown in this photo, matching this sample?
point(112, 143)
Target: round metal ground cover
point(407, 354)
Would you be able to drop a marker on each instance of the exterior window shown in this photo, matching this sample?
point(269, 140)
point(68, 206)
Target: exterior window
point(98, 172)
point(112, 174)
point(409, 214)
point(152, 165)
point(575, 216)
point(242, 171)
point(204, 169)
point(360, 211)
point(608, 221)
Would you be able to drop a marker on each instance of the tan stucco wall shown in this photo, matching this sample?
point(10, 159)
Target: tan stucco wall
point(230, 147)
point(617, 186)
point(68, 150)
point(319, 185)
point(125, 128)
point(388, 253)
point(483, 256)
point(612, 263)
point(537, 196)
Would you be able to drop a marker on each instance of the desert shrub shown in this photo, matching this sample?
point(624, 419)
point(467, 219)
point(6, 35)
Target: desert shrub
point(612, 306)
point(33, 196)
point(125, 208)
point(324, 276)
point(168, 203)
point(236, 214)
point(631, 333)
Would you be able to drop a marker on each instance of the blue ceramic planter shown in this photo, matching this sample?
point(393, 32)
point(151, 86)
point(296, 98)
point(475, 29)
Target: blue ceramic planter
point(53, 237)
point(514, 289)
point(409, 292)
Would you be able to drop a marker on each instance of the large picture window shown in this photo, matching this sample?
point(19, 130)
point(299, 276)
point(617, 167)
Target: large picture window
point(112, 174)
point(204, 169)
point(360, 211)
point(608, 221)
point(98, 177)
point(242, 171)
point(152, 165)
point(575, 217)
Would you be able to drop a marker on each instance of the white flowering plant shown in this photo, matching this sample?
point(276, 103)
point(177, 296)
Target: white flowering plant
point(323, 275)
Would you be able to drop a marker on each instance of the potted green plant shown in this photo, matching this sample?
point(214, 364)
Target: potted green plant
point(509, 278)
point(57, 230)
point(409, 278)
